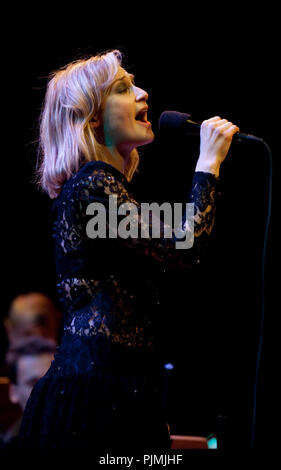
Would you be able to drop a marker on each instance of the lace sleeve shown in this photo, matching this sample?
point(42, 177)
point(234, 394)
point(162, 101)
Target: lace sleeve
point(167, 245)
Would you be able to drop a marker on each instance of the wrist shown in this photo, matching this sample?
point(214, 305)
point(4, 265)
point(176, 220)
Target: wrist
point(208, 165)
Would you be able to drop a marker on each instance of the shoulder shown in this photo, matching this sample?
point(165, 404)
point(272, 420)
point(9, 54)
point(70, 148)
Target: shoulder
point(101, 177)
point(94, 179)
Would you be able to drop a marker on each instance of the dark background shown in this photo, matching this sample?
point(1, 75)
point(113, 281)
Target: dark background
point(211, 319)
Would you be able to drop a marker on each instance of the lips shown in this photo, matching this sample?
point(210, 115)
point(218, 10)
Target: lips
point(144, 123)
point(141, 115)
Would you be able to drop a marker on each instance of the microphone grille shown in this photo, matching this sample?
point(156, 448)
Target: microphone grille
point(172, 120)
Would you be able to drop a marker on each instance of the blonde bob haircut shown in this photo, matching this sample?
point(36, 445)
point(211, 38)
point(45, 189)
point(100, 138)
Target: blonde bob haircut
point(75, 94)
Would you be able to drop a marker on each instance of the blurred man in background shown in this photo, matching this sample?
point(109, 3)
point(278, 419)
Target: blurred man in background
point(32, 314)
point(27, 361)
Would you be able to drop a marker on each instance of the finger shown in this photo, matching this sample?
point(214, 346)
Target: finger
point(227, 126)
point(232, 130)
point(223, 125)
point(213, 119)
point(219, 123)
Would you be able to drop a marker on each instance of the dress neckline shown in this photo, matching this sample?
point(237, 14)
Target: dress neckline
point(98, 164)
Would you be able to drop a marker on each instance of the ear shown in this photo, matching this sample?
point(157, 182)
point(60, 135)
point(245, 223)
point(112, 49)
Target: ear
point(13, 393)
point(94, 122)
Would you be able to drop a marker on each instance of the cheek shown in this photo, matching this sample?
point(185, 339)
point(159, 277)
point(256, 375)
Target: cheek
point(118, 117)
point(123, 116)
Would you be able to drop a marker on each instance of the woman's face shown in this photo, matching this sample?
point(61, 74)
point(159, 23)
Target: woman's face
point(124, 116)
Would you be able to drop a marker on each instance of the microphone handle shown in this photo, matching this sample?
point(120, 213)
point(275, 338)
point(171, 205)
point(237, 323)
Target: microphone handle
point(245, 138)
point(238, 137)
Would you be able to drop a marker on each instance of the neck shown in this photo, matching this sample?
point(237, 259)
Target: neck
point(115, 158)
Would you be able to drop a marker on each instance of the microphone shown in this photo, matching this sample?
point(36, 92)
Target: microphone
point(175, 121)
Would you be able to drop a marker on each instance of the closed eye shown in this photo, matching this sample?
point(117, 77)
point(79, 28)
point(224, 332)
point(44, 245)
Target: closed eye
point(126, 84)
point(123, 89)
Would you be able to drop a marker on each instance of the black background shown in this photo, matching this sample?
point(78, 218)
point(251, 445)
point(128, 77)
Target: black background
point(211, 318)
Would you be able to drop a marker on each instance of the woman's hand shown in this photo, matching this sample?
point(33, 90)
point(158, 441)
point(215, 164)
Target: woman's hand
point(215, 140)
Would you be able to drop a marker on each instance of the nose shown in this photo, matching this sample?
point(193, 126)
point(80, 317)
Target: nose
point(140, 94)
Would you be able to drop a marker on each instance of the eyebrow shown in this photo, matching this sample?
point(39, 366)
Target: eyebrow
point(130, 75)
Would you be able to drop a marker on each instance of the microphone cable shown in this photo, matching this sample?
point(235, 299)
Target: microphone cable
point(177, 121)
point(260, 342)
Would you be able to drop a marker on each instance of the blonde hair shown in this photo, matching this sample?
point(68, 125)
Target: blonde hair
point(75, 94)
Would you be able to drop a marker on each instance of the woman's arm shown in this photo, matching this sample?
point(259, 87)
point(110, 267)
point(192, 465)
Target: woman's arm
point(100, 185)
point(215, 140)
point(216, 136)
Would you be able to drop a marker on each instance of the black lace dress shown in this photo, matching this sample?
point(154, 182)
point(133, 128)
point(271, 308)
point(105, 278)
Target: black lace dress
point(102, 389)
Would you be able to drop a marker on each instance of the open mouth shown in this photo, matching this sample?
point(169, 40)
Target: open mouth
point(141, 116)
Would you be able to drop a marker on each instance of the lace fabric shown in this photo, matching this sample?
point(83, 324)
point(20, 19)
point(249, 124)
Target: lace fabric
point(105, 377)
point(105, 283)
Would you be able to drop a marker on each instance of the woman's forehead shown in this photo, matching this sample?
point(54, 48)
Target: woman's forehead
point(122, 73)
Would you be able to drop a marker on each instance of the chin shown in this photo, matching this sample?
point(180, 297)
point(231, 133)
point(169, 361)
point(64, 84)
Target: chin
point(148, 140)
